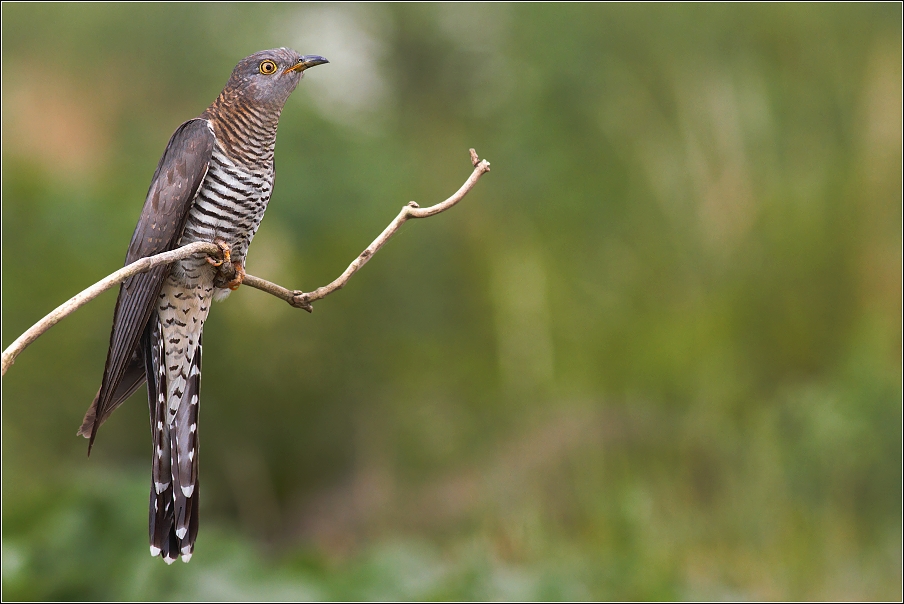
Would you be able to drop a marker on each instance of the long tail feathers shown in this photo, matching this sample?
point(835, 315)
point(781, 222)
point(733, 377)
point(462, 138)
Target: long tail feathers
point(161, 506)
point(185, 459)
point(174, 479)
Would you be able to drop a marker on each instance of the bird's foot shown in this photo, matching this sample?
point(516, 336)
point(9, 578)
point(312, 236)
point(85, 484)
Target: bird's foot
point(234, 283)
point(229, 275)
point(224, 253)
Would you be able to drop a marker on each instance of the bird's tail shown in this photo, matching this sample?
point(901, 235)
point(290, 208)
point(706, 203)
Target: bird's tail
point(174, 498)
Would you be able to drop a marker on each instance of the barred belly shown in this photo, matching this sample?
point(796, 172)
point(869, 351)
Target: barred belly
point(230, 204)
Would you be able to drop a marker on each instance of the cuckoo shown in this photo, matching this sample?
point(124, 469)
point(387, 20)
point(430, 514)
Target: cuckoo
point(212, 184)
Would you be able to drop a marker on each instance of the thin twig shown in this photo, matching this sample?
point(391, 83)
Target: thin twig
point(300, 299)
point(296, 298)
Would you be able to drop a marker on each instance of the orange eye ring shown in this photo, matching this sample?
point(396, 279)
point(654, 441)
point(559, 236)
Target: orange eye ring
point(268, 67)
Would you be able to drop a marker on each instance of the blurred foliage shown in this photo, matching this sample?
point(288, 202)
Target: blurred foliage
point(655, 354)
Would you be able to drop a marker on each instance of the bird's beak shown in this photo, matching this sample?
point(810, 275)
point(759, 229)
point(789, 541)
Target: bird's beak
point(307, 61)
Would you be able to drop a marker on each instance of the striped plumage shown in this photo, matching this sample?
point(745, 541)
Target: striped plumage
point(213, 184)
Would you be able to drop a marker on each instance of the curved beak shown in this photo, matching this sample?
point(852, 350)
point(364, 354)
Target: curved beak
point(307, 61)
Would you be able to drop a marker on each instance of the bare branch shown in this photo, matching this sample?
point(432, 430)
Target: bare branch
point(300, 299)
point(296, 298)
point(82, 298)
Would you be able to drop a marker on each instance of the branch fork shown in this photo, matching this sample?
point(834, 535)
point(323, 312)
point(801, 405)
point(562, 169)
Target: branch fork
point(232, 274)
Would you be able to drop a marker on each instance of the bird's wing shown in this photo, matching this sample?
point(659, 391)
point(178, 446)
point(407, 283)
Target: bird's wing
point(173, 189)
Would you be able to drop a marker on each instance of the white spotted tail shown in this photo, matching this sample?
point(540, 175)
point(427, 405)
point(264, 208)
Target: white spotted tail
point(175, 355)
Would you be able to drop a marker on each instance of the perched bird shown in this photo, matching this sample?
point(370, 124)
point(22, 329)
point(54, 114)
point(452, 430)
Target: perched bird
point(212, 184)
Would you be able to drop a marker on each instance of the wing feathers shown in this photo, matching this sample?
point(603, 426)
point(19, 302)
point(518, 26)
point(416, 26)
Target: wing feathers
point(175, 184)
point(133, 377)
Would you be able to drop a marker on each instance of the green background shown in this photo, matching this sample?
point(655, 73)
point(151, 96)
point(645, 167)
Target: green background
point(655, 353)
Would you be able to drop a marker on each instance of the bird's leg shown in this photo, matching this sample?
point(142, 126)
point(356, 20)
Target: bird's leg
point(224, 252)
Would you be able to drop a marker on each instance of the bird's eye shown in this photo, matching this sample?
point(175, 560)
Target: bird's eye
point(268, 67)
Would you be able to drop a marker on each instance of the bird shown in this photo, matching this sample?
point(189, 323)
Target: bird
point(213, 184)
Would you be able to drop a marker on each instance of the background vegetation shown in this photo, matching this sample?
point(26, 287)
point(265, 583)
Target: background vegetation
point(655, 354)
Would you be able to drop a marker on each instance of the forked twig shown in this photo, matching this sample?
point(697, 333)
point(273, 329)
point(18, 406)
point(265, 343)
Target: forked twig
point(300, 299)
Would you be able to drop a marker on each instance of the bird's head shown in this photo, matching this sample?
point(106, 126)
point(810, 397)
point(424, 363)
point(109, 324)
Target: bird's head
point(268, 77)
